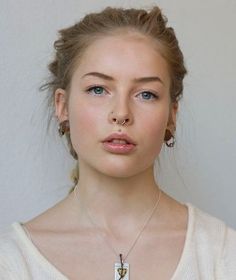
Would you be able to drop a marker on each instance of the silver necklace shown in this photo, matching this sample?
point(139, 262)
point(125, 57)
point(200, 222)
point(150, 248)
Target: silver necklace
point(122, 268)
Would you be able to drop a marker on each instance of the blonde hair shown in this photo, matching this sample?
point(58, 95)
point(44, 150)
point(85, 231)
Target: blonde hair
point(74, 40)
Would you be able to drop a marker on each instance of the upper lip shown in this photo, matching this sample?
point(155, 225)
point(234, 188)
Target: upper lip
point(121, 136)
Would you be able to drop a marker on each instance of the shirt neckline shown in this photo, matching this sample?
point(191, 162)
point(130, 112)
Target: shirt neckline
point(51, 268)
point(34, 250)
point(189, 234)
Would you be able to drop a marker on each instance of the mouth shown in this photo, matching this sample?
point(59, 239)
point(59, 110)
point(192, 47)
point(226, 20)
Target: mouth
point(118, 141)
point(118, 146)
point(119, 138)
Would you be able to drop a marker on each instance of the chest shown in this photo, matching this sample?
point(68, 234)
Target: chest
point(86, 258)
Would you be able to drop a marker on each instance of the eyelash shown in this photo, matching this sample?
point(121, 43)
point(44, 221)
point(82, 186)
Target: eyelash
point(154, 96)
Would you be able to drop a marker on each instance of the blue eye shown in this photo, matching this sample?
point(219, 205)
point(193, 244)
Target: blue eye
point(96, 90)
point(147, 94)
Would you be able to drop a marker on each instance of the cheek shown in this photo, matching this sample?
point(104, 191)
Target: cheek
point(154, 132)
point(84, 124)
point(156, 121)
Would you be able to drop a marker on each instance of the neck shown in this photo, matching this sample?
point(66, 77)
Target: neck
point(115, 202)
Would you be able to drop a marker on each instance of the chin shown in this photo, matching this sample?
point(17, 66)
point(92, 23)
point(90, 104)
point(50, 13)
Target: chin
point(120, 172)
point(121, 175)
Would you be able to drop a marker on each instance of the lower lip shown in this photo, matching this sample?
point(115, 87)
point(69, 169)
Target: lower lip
point(118, 148)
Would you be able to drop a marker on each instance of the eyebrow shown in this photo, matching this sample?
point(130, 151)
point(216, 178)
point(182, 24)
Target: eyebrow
point(137, 80)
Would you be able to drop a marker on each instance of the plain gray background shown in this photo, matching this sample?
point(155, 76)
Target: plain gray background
point(35, 166)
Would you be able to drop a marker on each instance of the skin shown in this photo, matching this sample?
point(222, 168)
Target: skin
point(126, 181)
point(118, 190)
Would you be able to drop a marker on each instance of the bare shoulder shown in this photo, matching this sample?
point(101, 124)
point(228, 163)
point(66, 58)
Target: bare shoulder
point(51, 220)
point(175, 214)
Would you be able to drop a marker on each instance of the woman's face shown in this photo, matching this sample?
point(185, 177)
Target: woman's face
point(126, 75)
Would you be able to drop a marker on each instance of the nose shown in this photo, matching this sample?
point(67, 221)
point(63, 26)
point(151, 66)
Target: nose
point(121, 114)
point(122, 121)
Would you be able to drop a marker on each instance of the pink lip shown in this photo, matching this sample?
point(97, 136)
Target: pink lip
point(122, 136)
point(118, 148)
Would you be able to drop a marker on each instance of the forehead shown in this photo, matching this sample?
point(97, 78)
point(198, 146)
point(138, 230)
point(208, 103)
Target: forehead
point(124, 55)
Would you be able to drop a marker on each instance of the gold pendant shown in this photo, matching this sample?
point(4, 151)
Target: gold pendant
point(121, 273)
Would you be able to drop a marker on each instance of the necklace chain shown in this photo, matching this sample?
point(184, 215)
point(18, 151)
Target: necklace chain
point(139, 233)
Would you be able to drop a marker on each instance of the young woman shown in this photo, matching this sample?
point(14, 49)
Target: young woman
point(116, 81)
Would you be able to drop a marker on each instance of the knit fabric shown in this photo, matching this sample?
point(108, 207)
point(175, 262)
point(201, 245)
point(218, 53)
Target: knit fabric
point(209, 252)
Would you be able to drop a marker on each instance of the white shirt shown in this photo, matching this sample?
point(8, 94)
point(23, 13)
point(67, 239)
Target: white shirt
point(209, 252)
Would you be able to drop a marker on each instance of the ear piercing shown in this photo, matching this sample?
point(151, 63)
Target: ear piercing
point(63, 127)
point(169, 139)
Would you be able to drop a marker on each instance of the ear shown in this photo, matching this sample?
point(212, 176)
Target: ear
point(172, 116)
point(61, 110)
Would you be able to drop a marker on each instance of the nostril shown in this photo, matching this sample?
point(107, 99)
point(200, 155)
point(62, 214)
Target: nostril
point(122, 122)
